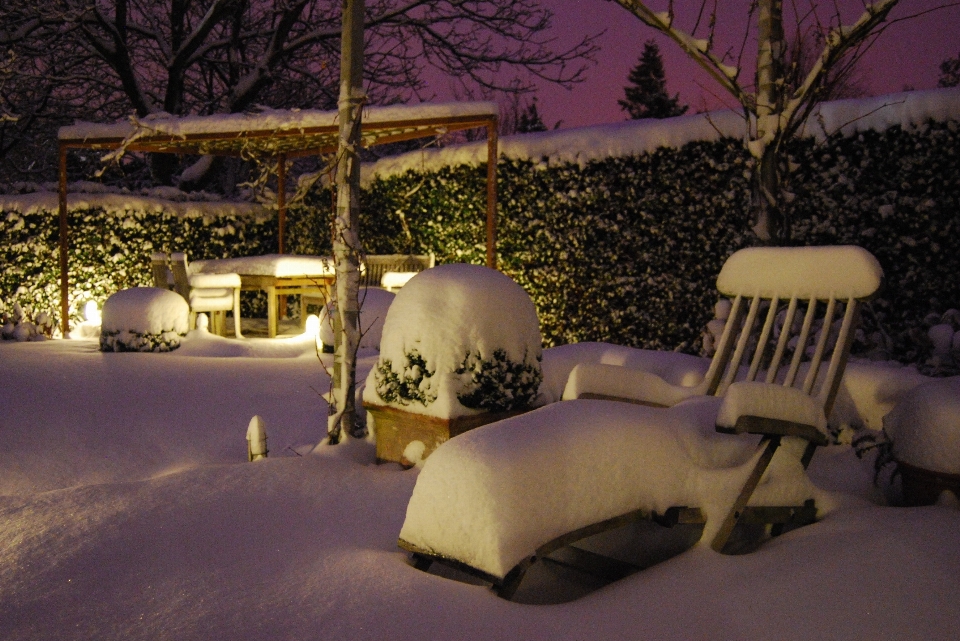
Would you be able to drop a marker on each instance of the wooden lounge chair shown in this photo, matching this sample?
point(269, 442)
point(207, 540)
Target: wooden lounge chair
point(775, 374)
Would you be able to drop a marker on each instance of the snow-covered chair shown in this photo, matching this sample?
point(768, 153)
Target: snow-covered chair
point(377, 266)
point(384, 271)
point(160, 270)
point(214, 293)
point(495, 500)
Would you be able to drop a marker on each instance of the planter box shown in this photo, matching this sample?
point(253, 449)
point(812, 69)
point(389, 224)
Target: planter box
point(396, 428)
point(923, 487)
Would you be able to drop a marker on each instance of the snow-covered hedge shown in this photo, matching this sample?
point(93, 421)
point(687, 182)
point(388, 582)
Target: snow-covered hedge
point(111, 239)
point(620, 241)
point(627, 249)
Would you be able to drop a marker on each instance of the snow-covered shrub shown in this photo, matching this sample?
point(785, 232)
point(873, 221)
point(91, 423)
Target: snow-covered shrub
point(497, 384)
point(143, 319)
point(458, 339)
point(17, 325)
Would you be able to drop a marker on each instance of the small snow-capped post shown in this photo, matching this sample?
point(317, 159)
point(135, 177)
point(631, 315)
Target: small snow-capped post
point(256, 439)
point(346, 233)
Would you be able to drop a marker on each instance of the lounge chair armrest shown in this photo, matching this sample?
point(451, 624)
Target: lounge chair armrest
point(772, 410)
point(747, 424)
point(614, 382)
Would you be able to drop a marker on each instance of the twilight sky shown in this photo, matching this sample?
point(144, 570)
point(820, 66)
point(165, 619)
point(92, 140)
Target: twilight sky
point(908, 53)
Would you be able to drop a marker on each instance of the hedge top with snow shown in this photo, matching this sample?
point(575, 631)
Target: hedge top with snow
point(635, 137)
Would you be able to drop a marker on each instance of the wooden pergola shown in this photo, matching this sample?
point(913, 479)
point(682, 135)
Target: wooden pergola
point(276, 135)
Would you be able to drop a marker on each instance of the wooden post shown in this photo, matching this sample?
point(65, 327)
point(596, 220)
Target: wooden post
point(281, 199)
point(492, 145)
point(64, 246)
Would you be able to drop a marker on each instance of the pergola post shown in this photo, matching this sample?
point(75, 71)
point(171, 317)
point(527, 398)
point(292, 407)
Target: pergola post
point(492, 146)
point(64, 246)
point(281, 200)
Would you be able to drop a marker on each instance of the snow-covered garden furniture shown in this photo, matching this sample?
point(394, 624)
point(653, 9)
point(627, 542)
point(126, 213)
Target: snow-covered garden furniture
point(160, 270)
point(496, 500)
point(214, 293)
point(143, 319)
point(374, 305)
point(924, 428)
point(461, 347)
point(388, 271)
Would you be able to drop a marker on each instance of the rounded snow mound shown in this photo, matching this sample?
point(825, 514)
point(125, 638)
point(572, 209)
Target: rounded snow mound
point(143, 319)
point(457, 340)
point(925, 426)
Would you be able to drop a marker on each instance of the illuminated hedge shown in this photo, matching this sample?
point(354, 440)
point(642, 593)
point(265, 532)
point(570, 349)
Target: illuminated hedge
point(624, 250)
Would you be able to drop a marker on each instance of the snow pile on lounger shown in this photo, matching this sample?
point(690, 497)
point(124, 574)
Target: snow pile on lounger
point(490, 497)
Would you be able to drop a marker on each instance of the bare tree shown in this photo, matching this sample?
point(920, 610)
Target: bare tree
point(774, 107)
point(346, 239)
point(225, 56)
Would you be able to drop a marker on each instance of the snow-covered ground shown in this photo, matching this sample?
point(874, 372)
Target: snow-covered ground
point(128, 511)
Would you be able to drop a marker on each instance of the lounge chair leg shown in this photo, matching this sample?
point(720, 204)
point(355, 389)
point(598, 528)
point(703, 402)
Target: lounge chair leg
point(508, 587)
point(730, 522)
point(421, 562)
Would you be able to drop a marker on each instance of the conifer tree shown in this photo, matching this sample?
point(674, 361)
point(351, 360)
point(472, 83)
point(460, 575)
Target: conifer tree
point(950, 72)
point(647, 97)
point(530, 120)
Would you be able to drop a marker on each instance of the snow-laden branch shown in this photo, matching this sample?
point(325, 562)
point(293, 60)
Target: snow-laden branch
point(700, 50)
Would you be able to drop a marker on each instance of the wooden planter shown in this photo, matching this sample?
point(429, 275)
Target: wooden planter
point(923, 487)
point(396, 428)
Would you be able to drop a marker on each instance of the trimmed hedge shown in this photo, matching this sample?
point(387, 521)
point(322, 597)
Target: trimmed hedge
point(624, 250)
point(109, 252)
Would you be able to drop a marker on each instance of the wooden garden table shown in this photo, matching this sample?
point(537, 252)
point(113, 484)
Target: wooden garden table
point(278, 275)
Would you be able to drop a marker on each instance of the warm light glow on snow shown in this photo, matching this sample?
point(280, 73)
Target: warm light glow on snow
point(91, 312)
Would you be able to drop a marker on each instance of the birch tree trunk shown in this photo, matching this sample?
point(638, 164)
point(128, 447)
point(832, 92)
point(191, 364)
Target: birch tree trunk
point(769, 223)
point(346, 235)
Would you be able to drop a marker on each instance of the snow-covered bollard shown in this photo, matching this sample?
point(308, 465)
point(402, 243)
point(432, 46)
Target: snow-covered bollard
point(256, 439)
point(143, 319)
point(460, 348)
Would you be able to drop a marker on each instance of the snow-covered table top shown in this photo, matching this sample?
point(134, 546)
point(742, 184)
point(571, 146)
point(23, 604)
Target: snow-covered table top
point(280, 265)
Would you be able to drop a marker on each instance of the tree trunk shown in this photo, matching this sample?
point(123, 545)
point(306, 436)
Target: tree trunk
point(346, 239)
point(769, 223)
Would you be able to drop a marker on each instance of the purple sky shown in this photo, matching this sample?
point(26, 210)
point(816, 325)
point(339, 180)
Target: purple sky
point(908, 53)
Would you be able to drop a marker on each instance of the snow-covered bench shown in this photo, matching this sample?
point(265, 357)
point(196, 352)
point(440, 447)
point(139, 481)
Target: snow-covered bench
point(495, 500)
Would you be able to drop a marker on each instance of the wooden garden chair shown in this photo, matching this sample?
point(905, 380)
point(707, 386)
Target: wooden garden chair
point(385, 271)
point(777, 367)
point(160, 270)
point(213, 293)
